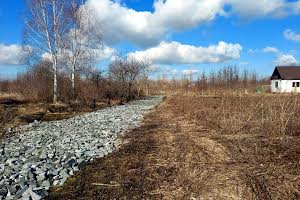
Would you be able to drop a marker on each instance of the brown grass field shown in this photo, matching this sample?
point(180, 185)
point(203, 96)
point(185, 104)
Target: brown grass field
point(202, 147)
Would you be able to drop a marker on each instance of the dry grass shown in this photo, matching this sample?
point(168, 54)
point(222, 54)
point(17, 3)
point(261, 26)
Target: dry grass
point(195, 147)
point(15, 96)
point(261, 135)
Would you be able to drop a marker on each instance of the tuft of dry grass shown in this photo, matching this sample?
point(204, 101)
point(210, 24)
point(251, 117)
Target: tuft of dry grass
point(195, 147)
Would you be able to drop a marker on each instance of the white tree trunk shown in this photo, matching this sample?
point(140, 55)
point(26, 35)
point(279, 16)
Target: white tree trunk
point(73, 81)
point(55, 92)
point(147, 90)
point(55, 58)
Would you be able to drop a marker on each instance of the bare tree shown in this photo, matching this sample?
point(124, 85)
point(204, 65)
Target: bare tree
point(146, 69)
point(95, 76)
point(125, 71)
point(45, 27)
point(83, 40)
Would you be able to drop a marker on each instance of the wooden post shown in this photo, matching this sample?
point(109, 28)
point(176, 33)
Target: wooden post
point(94, 104)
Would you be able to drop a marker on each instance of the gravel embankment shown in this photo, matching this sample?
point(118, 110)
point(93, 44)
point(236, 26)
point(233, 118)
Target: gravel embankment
point(48, 153)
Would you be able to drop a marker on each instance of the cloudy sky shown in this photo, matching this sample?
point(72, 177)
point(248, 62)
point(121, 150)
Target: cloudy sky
point(180, 36)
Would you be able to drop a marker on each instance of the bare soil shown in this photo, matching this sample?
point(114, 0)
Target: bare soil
point(192, 148)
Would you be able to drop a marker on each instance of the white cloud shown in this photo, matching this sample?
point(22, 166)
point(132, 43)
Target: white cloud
point(147, 29)
point(282, 58)
point(176, 53)
point(144, 28)
point(295, 7)
point(104, 53)
point(286, 59)
point(182, 14)
point(254, 9)
point(270, 50)
point(264, 8)
point(291, 35)
point(11, 54)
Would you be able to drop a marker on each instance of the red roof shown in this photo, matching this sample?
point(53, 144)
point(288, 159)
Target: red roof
point(286, 73)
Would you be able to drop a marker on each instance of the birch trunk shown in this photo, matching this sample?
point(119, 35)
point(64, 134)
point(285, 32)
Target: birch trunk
point(56, 36)
point(73, 82)
point(147, 91)
point(55, 91)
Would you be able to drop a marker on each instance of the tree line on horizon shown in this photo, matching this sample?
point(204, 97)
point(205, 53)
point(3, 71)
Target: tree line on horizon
point(228, 78)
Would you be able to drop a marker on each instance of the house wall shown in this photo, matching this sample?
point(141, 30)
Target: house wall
point(273, 88)
point(284, 86)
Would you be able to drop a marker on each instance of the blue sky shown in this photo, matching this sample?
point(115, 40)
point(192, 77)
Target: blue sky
point(180, 36)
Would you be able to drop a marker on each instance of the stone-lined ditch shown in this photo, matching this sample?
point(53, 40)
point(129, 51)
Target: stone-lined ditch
point(47, 153)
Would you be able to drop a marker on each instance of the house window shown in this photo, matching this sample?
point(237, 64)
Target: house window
point(296, 84)
point(276, 84)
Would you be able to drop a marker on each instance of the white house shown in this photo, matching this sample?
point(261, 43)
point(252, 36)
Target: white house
point(286, 79)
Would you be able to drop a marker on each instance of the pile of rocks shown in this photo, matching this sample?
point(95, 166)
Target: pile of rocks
point(47, 153)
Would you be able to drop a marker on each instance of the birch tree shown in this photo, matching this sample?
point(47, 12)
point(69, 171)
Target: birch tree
point(82, 42)
point(45, 26)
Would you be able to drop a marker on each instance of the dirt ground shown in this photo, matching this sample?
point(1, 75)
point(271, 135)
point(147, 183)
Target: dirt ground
point(180, 154)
